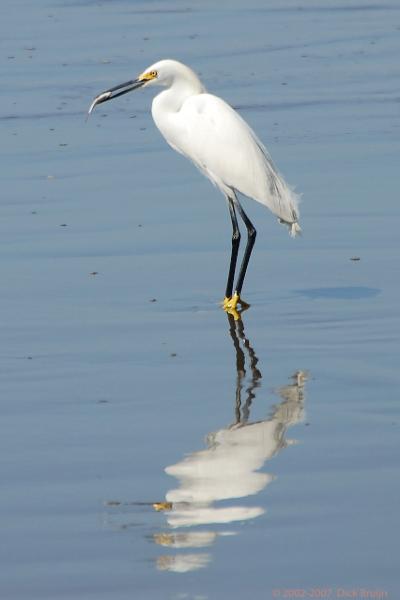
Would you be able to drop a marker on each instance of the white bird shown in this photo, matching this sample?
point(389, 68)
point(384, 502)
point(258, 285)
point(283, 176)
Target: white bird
point(209, 132)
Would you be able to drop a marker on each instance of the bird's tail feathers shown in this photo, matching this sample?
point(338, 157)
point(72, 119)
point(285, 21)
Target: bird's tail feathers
point(292, 204)
point(294, 227)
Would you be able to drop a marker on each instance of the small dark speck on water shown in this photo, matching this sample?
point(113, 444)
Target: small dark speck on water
point(113, 503)
point(173, 354)
point(94, 273)
point(63, 144)
point(355, 258)
point(102, 401)
point(63, 225)
point(33, 212)
point(153, 300)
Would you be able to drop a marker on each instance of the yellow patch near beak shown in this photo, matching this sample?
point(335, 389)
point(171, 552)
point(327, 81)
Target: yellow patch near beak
point(147, 76)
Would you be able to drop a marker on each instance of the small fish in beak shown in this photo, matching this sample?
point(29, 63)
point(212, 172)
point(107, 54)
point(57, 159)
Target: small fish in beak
point(98, 100)
point(121, 89)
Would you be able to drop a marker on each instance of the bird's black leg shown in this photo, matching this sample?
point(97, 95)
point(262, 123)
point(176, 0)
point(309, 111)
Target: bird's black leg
point(235, 249)
point(251, 238)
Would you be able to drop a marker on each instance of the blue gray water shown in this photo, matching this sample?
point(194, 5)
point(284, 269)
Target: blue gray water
point(269, 447)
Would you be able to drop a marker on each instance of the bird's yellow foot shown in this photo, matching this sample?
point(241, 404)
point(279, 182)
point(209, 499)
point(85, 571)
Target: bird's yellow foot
point(164, 539)
point(230, 305)
point(162, 506)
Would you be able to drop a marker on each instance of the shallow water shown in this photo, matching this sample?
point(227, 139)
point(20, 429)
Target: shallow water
point(124, 384)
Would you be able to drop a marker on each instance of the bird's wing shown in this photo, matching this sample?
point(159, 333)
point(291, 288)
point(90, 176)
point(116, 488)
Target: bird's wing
point(216, 138)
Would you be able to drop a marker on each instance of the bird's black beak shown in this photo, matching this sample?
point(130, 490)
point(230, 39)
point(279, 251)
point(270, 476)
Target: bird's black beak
point(116, 91)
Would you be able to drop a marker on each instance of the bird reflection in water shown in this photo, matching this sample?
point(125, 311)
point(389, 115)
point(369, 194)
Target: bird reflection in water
point(229, 467)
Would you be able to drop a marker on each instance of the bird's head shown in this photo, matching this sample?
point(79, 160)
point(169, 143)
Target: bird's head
point(164, 73)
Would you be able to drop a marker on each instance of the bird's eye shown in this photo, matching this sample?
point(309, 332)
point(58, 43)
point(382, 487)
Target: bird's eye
point(153, 73)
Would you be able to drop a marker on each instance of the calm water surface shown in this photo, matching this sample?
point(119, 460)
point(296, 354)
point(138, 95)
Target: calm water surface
point(151, 447)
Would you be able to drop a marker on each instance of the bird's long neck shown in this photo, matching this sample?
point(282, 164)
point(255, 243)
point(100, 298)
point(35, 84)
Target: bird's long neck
point(181, 88)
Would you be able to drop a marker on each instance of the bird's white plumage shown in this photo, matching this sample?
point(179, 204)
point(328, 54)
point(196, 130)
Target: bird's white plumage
point(208, 131)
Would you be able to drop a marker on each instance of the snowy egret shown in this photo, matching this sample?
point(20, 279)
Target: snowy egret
point(209, 132)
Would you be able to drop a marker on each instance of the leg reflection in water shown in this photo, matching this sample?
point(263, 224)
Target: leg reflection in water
point(229, 468)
